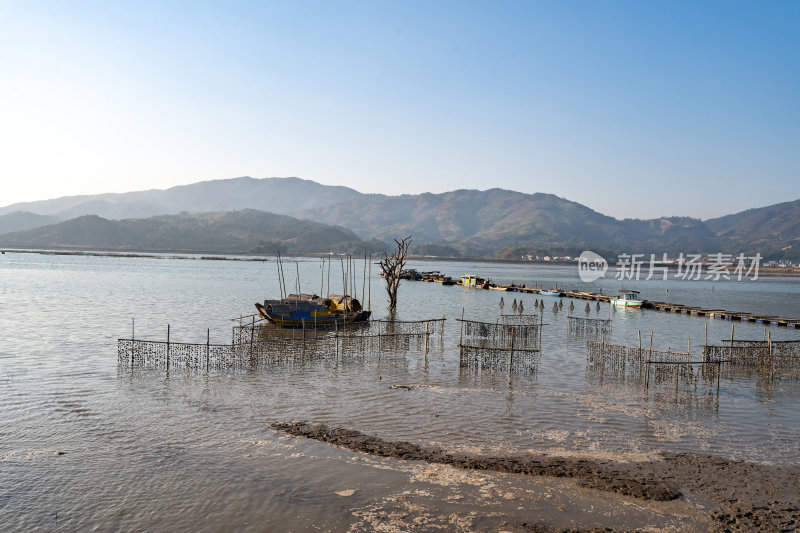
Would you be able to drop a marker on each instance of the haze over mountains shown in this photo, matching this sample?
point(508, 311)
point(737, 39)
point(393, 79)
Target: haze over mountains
point(470, 223)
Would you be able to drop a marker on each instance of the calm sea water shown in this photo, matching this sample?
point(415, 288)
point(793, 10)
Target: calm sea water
point(145, 450)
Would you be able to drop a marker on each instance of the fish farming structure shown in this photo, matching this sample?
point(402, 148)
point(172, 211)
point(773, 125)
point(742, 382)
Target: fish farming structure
point(588, 326)
point(651, 367)
point(767, 358)
point(372, 328)
point(521, 320)
point(260, 345)
point(494, 346)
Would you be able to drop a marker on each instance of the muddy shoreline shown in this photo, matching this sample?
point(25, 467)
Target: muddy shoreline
point(747, 496)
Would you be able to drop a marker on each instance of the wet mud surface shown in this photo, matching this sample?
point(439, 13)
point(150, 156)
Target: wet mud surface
point(741, 496)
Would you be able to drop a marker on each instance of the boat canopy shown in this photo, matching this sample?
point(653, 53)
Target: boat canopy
point(341, 302)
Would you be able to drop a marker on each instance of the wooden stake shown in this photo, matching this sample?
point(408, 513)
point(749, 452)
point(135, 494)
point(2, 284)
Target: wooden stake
point(208, 342)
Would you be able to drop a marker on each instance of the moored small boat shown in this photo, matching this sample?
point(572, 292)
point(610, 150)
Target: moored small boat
point(627, 298)
point(472, 281)
point(551, 292)
point(309, 311)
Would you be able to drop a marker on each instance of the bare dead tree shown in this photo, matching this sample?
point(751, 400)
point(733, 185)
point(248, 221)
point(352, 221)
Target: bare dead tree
point(391, 267)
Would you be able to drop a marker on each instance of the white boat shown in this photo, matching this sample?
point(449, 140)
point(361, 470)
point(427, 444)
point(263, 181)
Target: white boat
point(627, 298)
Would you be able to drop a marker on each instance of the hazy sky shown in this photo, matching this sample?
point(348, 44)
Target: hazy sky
point(636, 109)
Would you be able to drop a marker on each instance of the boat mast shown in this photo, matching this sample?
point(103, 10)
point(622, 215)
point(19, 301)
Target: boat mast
point(369, 307)
point(364, 282)
point(280, 285)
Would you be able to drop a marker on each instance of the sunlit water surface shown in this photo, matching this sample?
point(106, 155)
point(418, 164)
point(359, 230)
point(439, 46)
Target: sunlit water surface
point(189, 450)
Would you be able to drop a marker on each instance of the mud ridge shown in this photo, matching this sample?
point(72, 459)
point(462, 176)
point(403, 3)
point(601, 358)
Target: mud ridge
point(591, 474)
point(749, 496)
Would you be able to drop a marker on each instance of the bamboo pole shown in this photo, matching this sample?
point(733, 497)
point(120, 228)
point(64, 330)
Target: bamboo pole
point(511, 354)
point(344, 285)
point(252, 332)
point(208, 343)
point(461, 335)
point(769, 345)
point(426, 340)
point(364, 281)
point(649, 359)
point(730, 349)
point(369, 307)
point(133, 340)
point(167, 347)
point(297, 273)
point(639, 333)
point(278, 268)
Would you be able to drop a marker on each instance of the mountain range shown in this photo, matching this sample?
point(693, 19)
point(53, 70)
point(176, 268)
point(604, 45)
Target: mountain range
point(247, 230)
point(469, 223)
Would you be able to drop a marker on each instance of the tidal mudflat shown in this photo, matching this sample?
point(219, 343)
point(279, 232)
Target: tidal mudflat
point(86, 443)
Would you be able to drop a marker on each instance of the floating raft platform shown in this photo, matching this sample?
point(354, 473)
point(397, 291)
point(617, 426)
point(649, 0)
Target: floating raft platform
point(666, 307)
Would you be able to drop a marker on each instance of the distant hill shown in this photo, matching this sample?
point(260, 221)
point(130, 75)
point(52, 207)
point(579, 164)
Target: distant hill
point(488, 223)
point(22, 220)
point(467, 223)
point(234, 231)
point(275, 195)
point(773, 230)
point(774, 224)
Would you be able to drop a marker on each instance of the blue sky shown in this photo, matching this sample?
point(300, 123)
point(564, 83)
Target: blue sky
point(636, 109)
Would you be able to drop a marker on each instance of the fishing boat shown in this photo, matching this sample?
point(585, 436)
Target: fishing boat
point(627, 298)
point(472, 281)
point(551, 292)
point(310, 310)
